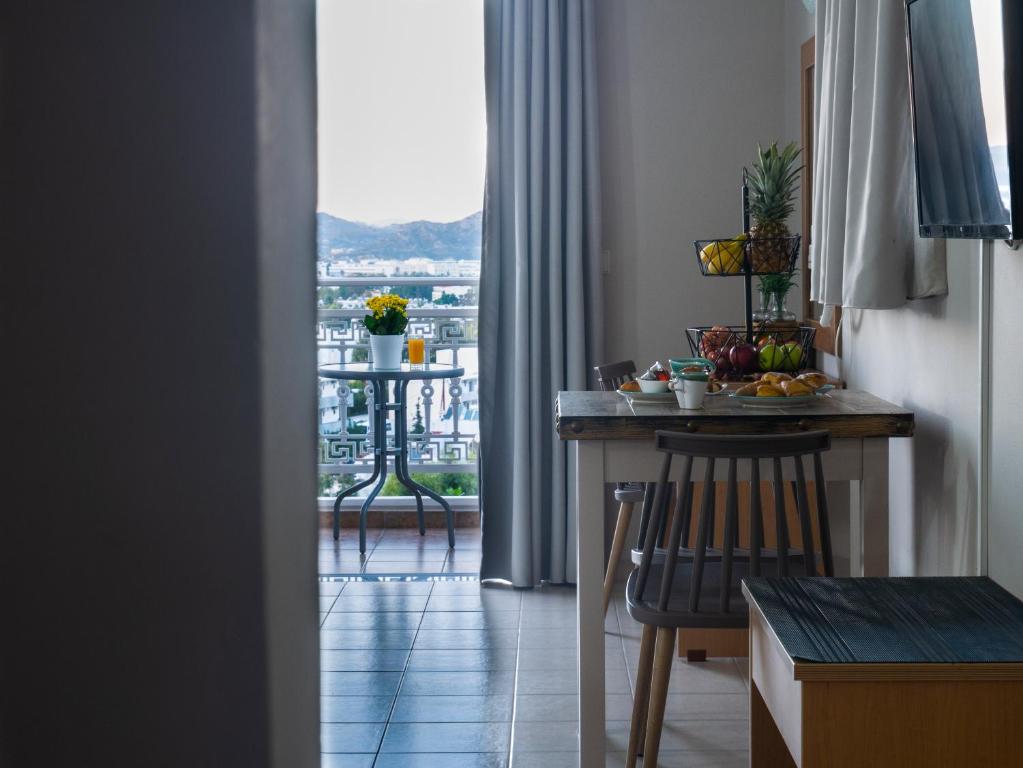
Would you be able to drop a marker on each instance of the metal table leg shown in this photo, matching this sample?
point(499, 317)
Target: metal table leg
point(380, 389)
point(401, 451)
point(402, 471)
point(354, 489)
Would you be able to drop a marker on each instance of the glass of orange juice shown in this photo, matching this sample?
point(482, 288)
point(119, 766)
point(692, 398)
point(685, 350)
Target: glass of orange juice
point(416, 350)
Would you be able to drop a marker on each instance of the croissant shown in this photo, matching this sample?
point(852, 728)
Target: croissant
point(796, 388)
point(774, 378)
point(770, 390)
point(815, 380)
point(748, 390)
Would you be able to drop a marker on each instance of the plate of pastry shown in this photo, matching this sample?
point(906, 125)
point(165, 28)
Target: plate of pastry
point(781, 390)
point(632, 392)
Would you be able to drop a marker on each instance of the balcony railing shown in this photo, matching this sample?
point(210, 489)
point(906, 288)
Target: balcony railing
point(445, 413)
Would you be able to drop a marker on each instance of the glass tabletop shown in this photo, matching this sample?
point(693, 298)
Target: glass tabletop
point(407, 371)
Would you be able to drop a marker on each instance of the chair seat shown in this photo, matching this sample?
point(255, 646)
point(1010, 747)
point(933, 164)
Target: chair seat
point(630, 493)
point(678, 614)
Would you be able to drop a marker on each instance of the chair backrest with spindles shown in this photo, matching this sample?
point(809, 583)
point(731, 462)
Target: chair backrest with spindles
point(611, 376)
point(775, 449)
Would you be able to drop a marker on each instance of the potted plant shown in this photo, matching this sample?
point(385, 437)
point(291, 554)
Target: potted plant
point(773, 290)
point(386, 326)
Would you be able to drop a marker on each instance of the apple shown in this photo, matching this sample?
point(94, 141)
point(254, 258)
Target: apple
point(722, 363)
point(743, 358)
point(771, 357)
point(792, 356)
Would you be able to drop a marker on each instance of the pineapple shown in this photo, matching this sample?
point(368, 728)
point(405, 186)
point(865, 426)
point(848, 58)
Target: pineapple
point(772, 185)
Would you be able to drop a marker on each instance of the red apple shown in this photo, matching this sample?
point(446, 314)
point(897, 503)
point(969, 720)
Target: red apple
point(744, 358)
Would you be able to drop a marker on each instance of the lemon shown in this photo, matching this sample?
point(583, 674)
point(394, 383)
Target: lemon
point(723, 256)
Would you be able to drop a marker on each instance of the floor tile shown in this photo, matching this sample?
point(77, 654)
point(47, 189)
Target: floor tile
point(359, 683)
point(544, 759)
point(427, 566)
point(482, 600)
point(704, 759)
point(547, 638)
point(355, 709)
point(388, 588)
point(373, 620)
point(468, 660)
point(545, 737)
point(385, 554)
point(564, 707)
point(381, 603)
point(443, 760)
point(453, 709)
point(471, 620)
point(326, 601)
point(686, 735)
point(363, 660)
point(436, 639)
point(350, 737)
point(347, 761)
point(351, 639)
point(458, 683)
point(539, 681)
point(447, 737)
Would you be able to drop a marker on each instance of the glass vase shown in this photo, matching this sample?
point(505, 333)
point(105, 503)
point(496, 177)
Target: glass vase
point(778, 311)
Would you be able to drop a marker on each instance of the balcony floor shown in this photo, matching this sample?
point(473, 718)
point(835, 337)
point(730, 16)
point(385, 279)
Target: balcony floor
point(437, 671)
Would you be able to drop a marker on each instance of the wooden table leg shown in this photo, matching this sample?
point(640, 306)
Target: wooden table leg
point(589, 500)
point(868, 513)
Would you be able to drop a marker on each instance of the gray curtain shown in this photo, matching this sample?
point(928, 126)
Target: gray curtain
point(540, 286)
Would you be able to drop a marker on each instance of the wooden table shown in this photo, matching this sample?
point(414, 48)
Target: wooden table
point(612, 441)
point(914, 672)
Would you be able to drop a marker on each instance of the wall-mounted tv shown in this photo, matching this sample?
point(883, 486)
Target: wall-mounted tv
point(966, 66)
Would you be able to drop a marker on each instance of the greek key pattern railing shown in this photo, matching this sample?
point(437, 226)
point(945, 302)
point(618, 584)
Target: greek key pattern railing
point(444, 422)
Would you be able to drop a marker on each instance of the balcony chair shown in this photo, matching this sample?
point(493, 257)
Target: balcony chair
point(673, 589)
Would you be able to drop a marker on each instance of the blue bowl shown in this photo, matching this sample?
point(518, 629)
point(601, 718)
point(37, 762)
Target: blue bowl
point(678, 363)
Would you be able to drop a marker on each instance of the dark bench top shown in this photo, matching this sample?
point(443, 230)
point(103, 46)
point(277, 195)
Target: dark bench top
point(938, 620)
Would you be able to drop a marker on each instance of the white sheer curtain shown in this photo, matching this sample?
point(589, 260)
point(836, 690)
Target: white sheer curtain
point(864, 251)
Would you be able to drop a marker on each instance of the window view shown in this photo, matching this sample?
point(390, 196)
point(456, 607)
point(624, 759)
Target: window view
point(401, 164)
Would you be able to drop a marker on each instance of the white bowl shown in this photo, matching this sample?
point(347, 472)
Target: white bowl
point(652, 387)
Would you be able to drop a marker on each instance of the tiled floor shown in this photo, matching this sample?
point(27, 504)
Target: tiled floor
point(446, 673)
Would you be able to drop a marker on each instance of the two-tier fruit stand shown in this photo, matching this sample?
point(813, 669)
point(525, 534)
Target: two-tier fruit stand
point(745, 256)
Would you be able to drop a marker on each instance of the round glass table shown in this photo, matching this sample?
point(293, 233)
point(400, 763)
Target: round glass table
point(381, 380)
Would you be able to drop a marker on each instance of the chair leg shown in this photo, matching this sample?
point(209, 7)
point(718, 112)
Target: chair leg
point(617, 546)
point(642, 697)
point(663, 652)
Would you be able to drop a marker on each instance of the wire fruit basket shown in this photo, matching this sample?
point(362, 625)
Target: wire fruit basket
point(773, 348)
point(728, 257)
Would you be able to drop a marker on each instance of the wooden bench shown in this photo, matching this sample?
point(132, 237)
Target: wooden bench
point(884, 672)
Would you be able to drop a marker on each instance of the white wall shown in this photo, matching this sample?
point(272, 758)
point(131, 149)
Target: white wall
point(1005, 517)
point(924, 356)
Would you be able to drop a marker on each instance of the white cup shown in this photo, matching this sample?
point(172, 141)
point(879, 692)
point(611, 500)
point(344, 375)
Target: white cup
point(690, 393)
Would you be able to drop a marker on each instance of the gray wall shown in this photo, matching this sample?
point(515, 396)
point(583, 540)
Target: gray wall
point(687, 91)
point(159, 511)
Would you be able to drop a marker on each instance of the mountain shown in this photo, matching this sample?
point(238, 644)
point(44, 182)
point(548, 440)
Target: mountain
point(458, 240)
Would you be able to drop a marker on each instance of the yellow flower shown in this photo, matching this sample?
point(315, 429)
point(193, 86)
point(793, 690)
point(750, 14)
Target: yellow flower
point(379, 305)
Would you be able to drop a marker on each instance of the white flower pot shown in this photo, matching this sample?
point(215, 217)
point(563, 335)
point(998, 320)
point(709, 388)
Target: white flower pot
point(386, 351)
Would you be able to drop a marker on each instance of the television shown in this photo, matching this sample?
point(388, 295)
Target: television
point(966, 84)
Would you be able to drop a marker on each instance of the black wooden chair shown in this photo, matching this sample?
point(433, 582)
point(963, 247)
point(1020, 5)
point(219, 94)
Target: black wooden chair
point(673, 589)
point(610, 377)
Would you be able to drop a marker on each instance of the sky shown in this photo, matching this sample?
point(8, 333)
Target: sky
point(402, 123)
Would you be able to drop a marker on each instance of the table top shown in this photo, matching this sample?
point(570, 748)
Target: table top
point(364, 371)
point(891, 621)
point(588, 415)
